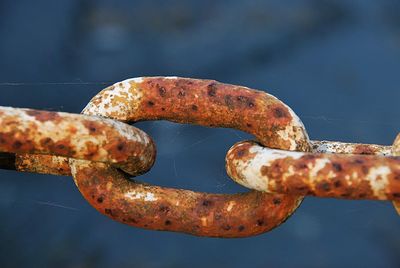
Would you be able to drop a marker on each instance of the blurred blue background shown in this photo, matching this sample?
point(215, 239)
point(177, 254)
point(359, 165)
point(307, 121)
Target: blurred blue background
point(336, 63)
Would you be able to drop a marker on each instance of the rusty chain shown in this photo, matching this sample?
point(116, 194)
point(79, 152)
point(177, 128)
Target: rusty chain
point(102, 152)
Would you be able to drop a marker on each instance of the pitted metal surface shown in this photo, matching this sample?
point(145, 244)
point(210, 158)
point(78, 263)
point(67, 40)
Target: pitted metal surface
point(24, 132)
point(282, 166)
point(203, 102)
point(349, 176)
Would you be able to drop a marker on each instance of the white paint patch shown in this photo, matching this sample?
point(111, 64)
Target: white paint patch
point(170, 77)
point(117, 110)
point(291, 135)
point(250, 171)
point(230, 206)
point(287, 135)
point(378, 178)
point(145, 196)
point(317, 167)
point(270, 155)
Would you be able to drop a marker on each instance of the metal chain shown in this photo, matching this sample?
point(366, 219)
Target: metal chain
point(282, 166)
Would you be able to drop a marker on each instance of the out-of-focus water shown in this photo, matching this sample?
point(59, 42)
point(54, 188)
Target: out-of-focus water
point(336, 63)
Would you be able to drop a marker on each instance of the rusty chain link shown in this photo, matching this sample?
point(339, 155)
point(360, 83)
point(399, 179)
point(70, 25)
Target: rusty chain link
point(282, 166)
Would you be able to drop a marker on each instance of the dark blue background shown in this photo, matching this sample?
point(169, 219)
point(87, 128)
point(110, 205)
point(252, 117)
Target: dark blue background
point(336, 63)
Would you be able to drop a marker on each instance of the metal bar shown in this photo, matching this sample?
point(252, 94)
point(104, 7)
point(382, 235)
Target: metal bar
point(349, 148)
point(26, 131)
point(323, 175)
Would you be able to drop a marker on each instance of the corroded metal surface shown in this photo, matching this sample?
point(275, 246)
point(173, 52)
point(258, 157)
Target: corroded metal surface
point(324, 175)
point(43, 164)
point(101, 153)
point(159, 208)
point(202, 102)
point(26, 131)
point(349, 148)
point(206, 103)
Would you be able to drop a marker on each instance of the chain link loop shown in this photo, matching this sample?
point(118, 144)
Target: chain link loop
point(201, 102)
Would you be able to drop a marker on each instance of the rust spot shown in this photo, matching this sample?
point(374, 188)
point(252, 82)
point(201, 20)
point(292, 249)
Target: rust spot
point(337, 184)
point(226, 227)
point(132, 220)
point(164, 209)
point(94, 127)
point(207, 203)
point(62, 147)
point(162, 91)
point(362, 195)
point(44, 116)
point(17, 145)
point(309, 157)
point(121, 146)
point(260, 222)
point(358, 161)
point(181, 93)
point(246, 101)
point(108, 211)
point(212, 89)
point(229, 102)
point(280, 113)
point(241, 153)
point(277, 201)
point(324, 186)
point(337, 167)
point(364, 149)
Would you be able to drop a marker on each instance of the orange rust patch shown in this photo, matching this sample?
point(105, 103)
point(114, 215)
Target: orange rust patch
point(214, 104)
point(72, 130)
point(279, 115)
point(94, 128)
point(9, 143)
point(394, 185)
point(341, 177)
point(43, 164)
point(243, 152)
point(44, 116)
point(178, 210)
point(364, 149)
point(62, 147)
point(92, 150)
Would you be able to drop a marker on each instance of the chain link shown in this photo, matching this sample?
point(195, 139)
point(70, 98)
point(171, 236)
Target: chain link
point(282, 166)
